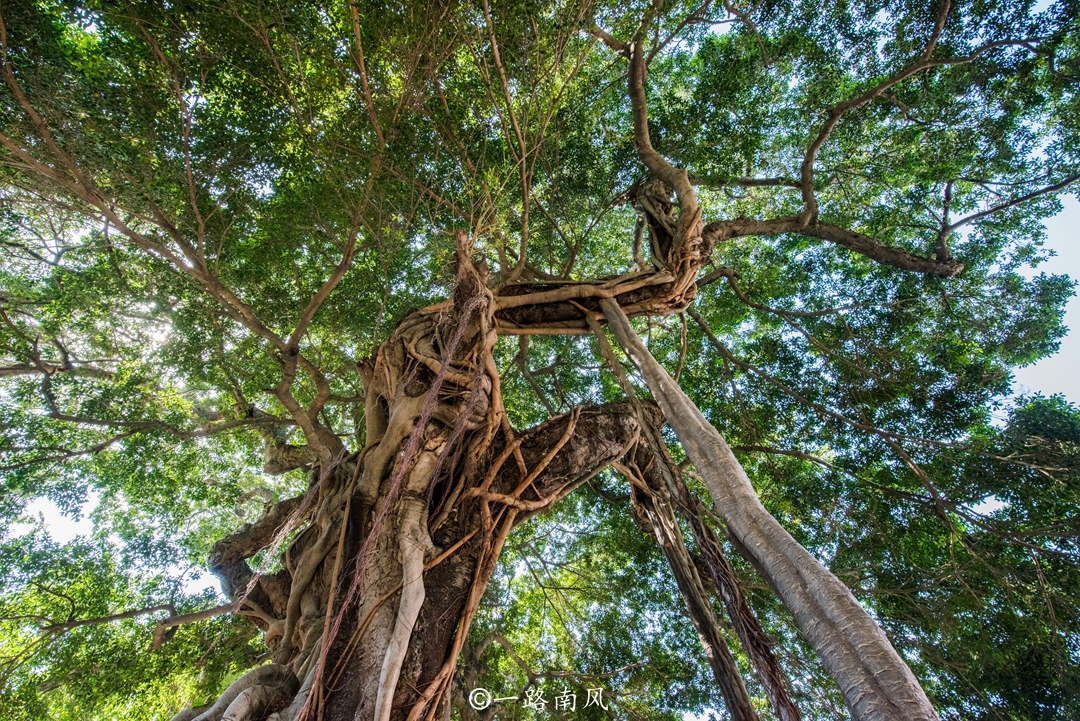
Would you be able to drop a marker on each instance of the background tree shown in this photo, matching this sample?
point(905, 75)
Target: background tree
point(216, 219)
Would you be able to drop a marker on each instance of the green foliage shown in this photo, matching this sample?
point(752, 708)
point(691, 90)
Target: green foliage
point(866, 403)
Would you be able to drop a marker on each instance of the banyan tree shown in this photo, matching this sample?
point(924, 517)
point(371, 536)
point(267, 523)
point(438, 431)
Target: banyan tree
point(367, 309)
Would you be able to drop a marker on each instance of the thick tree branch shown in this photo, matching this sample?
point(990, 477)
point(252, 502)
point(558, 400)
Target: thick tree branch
point(863, 244)
point(747, 182)
point(252, 538)
point(163, 625)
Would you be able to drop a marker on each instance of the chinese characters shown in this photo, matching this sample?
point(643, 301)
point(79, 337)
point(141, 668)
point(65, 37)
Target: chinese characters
point(563, 702)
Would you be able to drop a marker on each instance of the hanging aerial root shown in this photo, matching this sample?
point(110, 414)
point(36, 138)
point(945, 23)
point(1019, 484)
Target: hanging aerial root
point(876, 682)
point(304, 574)
point(673, 488)
point(652, 506)
point(414, 543)
point(755, 641)
point(408, 501)
point(496, 528)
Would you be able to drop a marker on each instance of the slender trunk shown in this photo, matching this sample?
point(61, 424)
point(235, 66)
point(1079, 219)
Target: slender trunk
point(876, 683)
point(654, 512)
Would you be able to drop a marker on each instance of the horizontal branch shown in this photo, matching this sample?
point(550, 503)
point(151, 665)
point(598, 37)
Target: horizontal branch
point(173, 621)
point(251, 539)
point(134, 613)
point(746, 182)
point(857, 242)
point(45, 368)
point(1013, 203)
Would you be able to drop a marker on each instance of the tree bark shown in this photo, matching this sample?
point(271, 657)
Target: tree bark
point(654, 512)
point(393, 547)
point(876, 683)
point(398, 635)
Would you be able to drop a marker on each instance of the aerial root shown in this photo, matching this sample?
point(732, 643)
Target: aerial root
point(413, 543)
point(253, 702)
point(235, 704)
point(190, 713)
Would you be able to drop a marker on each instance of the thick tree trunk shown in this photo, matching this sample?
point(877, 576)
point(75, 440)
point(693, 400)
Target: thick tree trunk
point(425, 641)
point(876, 683)
point(393, 547)
point(400, 630)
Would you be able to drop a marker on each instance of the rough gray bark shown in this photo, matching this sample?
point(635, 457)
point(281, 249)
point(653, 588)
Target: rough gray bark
point(876, 683)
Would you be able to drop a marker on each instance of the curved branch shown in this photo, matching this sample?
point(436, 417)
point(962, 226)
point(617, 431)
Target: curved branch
point(806, 172)
point(857, 242)
point(251, 538)
point(1012, 203)
point(173, 621)
point(678, 179)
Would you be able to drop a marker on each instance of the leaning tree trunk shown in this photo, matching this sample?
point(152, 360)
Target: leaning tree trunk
point(657, 490)
point(876, 683)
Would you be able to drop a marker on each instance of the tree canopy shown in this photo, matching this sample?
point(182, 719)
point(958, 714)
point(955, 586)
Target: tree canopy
point(211, 214)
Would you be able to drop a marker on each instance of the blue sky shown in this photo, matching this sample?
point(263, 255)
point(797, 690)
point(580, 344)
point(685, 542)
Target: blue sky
point(1060, 373)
